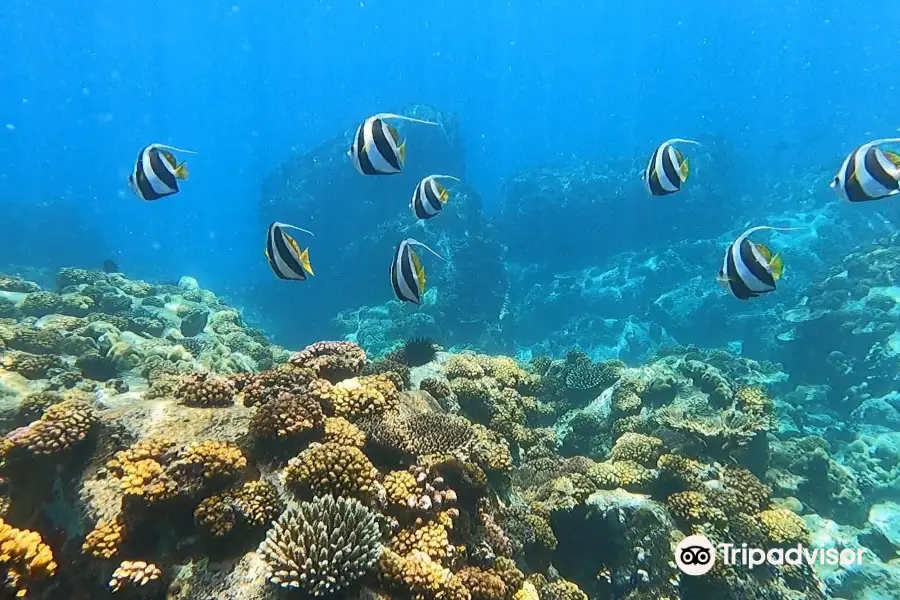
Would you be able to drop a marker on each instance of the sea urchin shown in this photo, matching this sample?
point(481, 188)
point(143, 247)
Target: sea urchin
point(416, 352)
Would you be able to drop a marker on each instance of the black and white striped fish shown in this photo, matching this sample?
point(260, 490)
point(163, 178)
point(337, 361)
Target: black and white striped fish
point(407, 272)
point(749, 269)
point(156, 173)
point(285, 257)
point(869, 173)
point(377, 148)
point(668, 168)
point(430, 196)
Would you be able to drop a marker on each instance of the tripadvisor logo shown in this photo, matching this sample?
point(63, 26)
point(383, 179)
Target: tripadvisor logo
point(696, 555)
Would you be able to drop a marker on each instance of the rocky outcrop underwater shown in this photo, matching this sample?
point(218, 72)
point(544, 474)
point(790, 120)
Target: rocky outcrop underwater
point(154, 446)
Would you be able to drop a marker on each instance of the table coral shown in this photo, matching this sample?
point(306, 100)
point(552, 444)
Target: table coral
point(322, 547)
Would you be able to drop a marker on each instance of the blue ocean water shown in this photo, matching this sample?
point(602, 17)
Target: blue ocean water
point(783, 86)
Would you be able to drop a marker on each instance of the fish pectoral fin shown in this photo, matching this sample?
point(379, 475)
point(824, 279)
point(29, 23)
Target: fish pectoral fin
point(304, 261)
point(685, 170)
point(181, 172)
point(402, 152)
point(445, 196)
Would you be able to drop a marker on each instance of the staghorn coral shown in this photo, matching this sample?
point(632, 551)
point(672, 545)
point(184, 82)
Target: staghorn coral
point(61, 428)
point(332, 469)
point(642, 449)
point(105, 539)
point(205, 390)
point(133, 573)
point(363, 396)
point(24, 557)
point(287, 415)
point(334, 361)
point(339, 430)
point(322, 547)
point(783, 528)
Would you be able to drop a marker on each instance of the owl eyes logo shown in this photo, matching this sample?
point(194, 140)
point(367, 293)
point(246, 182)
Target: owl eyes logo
point(695, 555)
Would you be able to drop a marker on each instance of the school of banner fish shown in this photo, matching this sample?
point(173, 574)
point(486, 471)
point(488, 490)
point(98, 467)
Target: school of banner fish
point(749, 269)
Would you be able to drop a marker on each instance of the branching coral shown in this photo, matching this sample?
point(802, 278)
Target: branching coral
point(24, 557)
point(332, 469)
point(205, 390)
point(322, 547)
point(334, 361)
point(626, 474)
point(431, 537)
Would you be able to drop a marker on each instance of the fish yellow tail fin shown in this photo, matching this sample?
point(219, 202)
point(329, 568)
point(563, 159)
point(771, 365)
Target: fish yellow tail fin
point(304, 261)
point(776, 265)
point(181, 172)
point(685, 170)
point(402, 152)
point(893, 157)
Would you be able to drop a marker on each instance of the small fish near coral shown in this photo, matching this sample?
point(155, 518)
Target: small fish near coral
point(377, 148)
point(869, 173)
point(156, 172)
point(285, 257)
point(668, 169)
point(407, 272)
point(749, 269)
point(430, 196)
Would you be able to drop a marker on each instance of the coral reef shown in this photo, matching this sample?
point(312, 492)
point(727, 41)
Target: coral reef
point(136, 458)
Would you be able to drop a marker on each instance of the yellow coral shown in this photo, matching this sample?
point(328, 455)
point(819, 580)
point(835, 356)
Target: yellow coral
point(400, 486)
point(490, 450)
point(105, 539)
point(62, 427)
point(483, 585)
point(636, 447)
point(24, 557)
point(213, 460)
point(754, 400)
point(339, 430)
point(694, 507)
point(783, 528)
point(364, 396)
point(133, 573)
point(332, 469)
point(625, 474)
point(430, 537)
point(420, 577)
point(685, 471)
point(146, 479)
point(464, 366)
